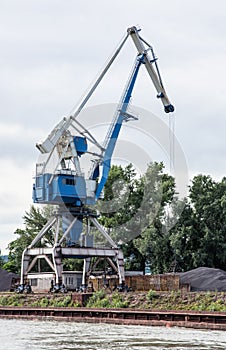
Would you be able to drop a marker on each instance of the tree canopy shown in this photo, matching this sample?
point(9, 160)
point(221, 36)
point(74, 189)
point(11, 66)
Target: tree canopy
point(154, 227)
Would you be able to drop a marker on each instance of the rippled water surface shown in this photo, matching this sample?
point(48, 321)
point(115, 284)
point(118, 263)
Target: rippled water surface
point(39, 335)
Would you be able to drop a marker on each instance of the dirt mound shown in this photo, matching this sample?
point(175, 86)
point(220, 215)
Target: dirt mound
point(205, 279)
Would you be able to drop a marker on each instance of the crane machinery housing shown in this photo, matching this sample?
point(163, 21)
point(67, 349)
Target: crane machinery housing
point(72, 193)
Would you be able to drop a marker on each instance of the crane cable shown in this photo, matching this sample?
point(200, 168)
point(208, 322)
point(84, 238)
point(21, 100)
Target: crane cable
point(172, 142)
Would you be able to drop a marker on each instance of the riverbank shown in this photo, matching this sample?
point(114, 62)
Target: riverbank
point(152, 300)
point(192, 310)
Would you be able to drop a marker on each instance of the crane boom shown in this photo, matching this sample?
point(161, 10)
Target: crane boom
point(155, 76)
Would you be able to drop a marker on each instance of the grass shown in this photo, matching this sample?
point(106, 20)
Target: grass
point(202, 301)
point(38, 301)
point(176, 300)
point(101, 299)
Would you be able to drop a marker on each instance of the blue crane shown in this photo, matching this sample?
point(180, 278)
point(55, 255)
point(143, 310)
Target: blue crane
point(59, 180)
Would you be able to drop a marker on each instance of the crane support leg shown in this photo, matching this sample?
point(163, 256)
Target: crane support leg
point(120, 265)
point(24, 266)
point(58, 265)
point(86, 268)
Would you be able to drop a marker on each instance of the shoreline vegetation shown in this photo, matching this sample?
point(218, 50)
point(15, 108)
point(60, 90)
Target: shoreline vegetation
point(151, 300)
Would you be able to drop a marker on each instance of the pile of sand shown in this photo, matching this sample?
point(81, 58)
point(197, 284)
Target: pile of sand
point(204, 279)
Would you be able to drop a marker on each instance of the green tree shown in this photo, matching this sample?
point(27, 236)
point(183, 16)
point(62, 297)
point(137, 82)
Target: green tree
point(122, 195)
point(153, 241)
point(136, 215)
point(134, 260)
point(184, 238)
point(71, 264)
point(208, 198)
point(198, 238)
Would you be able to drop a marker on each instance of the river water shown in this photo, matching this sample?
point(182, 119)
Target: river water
point(53, 335)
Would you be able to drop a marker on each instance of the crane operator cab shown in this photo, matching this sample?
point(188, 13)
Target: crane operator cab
point(63, 181)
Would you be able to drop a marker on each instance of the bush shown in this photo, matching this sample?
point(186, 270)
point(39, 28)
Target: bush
point(98, 299)
point(118, 301)
point(151, 294)
point(12, 300)
point(64, 302)
point(102, 299)
point(4, 301)
point(44, 302)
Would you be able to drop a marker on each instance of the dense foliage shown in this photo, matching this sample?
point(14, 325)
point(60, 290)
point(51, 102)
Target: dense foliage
point(155, 228)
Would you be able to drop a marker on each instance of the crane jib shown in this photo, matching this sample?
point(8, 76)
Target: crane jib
point(113, 136)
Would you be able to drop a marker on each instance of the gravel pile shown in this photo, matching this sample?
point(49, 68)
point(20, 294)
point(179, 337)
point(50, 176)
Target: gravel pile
point(205, 279)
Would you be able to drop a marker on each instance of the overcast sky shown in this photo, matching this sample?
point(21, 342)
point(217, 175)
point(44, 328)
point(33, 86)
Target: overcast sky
point(51, 50)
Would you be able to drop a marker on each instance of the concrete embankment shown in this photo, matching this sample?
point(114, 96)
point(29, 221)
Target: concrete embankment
point(199, 320)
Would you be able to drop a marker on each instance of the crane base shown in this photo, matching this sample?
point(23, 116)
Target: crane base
point(60, 250)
